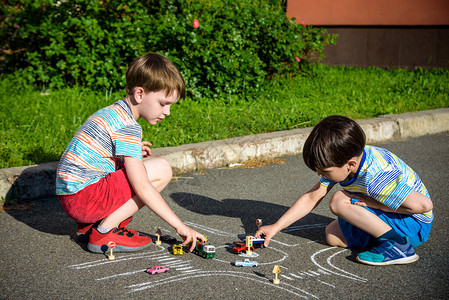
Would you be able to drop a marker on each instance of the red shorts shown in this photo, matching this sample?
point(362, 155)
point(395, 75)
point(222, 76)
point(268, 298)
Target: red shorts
point(100, 199)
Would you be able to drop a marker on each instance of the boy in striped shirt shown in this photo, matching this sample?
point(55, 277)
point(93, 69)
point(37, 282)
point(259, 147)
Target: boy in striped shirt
point(383, 207)
point(106, 174)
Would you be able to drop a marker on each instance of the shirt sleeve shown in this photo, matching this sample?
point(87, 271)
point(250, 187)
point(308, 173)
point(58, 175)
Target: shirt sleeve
point(326, 182)
point(390, 188)
point(128, 141)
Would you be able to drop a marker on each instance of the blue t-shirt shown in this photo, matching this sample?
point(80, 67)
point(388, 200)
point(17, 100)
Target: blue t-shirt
point(386, 178)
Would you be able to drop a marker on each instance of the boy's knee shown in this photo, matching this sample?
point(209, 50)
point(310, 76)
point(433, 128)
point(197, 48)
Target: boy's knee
point(158, 169)
point(337, 201)
point(166, 168)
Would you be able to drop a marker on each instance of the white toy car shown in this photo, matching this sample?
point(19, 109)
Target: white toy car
point(246, 263)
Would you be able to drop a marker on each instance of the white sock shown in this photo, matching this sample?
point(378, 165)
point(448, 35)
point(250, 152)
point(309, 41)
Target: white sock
point(103, 229)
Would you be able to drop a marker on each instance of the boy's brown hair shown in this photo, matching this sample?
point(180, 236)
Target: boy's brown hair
point(154, 72)
point(333, 142)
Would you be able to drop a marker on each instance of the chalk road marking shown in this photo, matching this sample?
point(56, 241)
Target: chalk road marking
point(261, 264)
point(208, 229)
point(121, 274)
point(105, 262)
point(351, 276)
point(304, 273)
point(187, 271)
point(147, 285)
point(122, 258)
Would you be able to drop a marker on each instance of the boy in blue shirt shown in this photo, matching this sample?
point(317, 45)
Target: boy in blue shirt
point(106, 174)
point(383, 206)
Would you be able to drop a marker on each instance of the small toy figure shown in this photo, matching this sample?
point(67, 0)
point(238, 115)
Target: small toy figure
point(111, 246)
point(157, 269)
point(177, 249)
point(158, 241)
point(249, 244)
point(258, 223)
point(246, 263)
point(276, 271)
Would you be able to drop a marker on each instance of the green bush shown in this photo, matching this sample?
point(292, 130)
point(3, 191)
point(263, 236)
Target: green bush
point(237, 45)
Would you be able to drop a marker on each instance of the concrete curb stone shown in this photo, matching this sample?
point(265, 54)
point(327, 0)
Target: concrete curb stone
point(37, 181)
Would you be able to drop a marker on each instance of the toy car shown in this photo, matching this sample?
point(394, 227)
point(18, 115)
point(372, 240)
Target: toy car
point(246, 263)
point(258, 243)
point(177, 249)
point(204, 249)
point(166, 238)
point(240, 247)
point(157, 269)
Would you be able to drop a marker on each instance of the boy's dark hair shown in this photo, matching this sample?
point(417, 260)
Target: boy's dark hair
point(154, 72)
point(333, 142)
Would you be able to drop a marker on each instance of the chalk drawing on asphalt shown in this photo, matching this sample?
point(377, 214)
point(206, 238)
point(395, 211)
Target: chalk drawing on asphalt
point(185, 269)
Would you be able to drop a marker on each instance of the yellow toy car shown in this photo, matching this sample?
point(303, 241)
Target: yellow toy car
point(177, 249)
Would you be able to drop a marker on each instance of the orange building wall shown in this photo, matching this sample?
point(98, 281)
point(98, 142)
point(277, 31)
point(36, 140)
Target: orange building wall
point(369, 12)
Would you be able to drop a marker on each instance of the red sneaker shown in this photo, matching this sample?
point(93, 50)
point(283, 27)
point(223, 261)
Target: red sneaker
point(125, 240)
point(83, 230)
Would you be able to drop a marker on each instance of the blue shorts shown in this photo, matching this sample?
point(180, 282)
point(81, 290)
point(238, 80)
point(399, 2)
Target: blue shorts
point(405, 225)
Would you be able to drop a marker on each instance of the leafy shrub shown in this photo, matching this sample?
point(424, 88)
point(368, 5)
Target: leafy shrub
point(233, 47)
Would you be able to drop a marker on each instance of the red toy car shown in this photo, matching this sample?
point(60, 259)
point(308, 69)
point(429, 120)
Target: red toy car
point(157, 269)
point(240, 247)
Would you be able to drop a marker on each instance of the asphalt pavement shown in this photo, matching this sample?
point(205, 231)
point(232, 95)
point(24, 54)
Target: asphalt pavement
point(40, 258)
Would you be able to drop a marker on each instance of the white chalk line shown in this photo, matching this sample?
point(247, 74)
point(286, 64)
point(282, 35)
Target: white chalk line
point(183, 268)
point(211, 230)
point(178, 263)
point(295, 275)
point(286, 277)
point(190, 271)
point(105, 261)
point(122, 274)
point(144, 286)
point(330, 263)
point(331, 285)
point(296, 288)
point(121, 257)
point(309, 274)
point(352, 276)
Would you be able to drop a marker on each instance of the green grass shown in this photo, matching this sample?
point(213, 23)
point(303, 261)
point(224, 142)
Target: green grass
point(36, 127)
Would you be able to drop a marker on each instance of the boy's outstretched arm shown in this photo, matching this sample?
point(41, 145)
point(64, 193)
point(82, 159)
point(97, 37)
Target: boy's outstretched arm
point(304, 205)
point(148, 194)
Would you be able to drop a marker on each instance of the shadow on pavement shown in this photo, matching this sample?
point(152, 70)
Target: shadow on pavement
point(46, 216)
point(248, 211)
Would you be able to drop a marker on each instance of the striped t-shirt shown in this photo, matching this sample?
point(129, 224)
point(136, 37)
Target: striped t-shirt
point(93, 153)
point(386, 178)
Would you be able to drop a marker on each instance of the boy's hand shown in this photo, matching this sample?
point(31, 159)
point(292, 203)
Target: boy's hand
point(266, 232)
point(366, 200)
point(190, 236)
point(146, 151)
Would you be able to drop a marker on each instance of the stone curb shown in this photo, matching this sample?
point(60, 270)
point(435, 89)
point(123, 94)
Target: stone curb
point(37, 181)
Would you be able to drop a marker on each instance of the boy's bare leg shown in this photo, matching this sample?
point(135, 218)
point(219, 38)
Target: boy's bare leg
point(334, 235)
point(159, 173)
point(340, 205)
